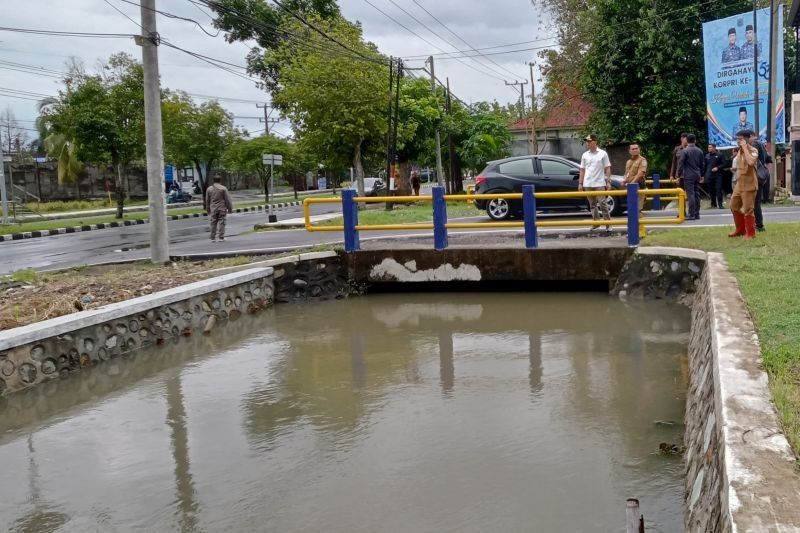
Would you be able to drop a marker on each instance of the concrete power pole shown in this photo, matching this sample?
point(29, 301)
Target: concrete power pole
point(266, 120)
point(439, 171)
point(773, 94)
point(534, 111)
point(3, 195)
point(159, 239)
point(521, 85)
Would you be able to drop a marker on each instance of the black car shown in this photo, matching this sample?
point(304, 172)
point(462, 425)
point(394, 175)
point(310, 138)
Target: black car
point(548, 173)
point(372, 187)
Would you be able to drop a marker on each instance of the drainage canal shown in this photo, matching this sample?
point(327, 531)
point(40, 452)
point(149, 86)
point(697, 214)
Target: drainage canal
point(392, 412)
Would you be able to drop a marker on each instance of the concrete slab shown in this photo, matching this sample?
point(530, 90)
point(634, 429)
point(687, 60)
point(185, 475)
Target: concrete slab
point(58, 326)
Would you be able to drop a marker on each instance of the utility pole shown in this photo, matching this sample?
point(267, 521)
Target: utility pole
point(756, 122)
point(389, 129)
point(452, 188)
point(159, 239)
point(534, 111)
point(396, 116)
point(773, 93)
point(3, 196)
point(439, 171)
point(267, 112)
point(521, 85)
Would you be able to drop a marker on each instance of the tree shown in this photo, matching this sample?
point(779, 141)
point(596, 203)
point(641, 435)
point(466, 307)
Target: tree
point(196, 135)
point(101, 117)
point(62, 150)
point(12, 137)
point(337, 103)
point(485, 138)
point(246, 156)
point(639, 63)
point(269, 26)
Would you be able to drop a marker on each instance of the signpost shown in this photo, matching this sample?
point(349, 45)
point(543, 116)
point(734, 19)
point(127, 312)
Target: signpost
point(3, 187)
point(271, 160)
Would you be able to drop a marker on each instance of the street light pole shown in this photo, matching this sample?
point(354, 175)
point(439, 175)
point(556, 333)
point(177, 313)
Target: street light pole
point(159, 241)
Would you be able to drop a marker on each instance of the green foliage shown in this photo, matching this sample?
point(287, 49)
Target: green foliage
point(195, 134)
point(337, 104)
point(485, 138)
point(62, 150)
point(269, 26)
point(639, 63)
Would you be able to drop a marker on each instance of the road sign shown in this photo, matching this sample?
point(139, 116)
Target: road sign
point(169, 173)
point(272, 159)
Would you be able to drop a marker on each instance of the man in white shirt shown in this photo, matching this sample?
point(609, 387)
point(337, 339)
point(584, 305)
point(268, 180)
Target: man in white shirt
point(595, 175)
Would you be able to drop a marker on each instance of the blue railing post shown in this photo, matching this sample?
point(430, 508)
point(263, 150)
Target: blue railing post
point(656, 185)
point(350, 215)
point(439, 219)
point(529, 216)
point(633, 214)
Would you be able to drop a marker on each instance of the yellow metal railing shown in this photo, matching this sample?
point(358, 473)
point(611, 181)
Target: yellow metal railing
point(678, 194)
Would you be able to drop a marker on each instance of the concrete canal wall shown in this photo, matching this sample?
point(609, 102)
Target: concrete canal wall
point(741, 474)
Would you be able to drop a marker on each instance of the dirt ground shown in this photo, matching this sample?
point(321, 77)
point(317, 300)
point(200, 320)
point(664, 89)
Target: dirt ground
point(28, 297)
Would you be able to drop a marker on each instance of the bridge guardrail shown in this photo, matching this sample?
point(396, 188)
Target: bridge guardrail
point(635, 224)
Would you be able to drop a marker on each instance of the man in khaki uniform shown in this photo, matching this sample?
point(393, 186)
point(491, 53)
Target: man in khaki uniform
point(218, 205)
point(743, 199)
point(636, 170)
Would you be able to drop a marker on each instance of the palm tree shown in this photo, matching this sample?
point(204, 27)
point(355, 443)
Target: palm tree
point(58, 146)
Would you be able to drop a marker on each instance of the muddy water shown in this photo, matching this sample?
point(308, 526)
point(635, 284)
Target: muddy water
point(399, 413)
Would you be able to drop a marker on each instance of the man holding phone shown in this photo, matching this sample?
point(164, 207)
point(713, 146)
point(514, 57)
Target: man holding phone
point(744, 193)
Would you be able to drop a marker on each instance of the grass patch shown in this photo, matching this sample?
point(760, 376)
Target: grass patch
point(406, 214)
point(767, 273)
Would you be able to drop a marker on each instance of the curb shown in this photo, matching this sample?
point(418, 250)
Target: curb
point(106, 225)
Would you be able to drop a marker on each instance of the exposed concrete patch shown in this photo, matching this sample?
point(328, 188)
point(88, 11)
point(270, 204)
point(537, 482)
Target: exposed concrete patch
point(741, 473)
point(391, 270)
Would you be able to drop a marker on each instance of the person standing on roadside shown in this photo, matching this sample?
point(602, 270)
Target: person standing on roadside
point(595, 175)
point(415, 182)
point(763, 185)
point(636, 170)
point(715, 163)
point(692, 169)
point(744, 193)
point(218, 205)
point(675, 165)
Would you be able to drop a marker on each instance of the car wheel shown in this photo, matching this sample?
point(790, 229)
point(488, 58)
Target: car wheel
point(612, 202)
point(498, 209)
point(614, 205)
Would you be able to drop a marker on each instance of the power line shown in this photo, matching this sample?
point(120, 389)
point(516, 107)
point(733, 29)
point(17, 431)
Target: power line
point(382, 12)
point(459, 37)
point(68, 33)
point(443, 39)
point(174, 16)
point(121, 12)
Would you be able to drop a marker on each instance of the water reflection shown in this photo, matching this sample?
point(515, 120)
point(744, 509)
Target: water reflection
point(425, 412)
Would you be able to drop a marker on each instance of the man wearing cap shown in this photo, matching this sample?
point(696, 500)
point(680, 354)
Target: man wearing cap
point(595, 175)
point(743, 123)
point(636, 170)
point(732, 52)
point(744, 193)
point(750, 48)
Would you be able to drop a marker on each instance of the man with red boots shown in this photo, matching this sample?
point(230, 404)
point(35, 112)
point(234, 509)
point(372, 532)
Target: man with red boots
point(744, 193)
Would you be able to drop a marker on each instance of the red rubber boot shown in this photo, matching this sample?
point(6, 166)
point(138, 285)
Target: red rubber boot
point(738, 219)
point(749, 228)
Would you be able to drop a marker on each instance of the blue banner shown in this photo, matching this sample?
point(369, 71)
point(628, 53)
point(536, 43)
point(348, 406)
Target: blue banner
point(730, 45)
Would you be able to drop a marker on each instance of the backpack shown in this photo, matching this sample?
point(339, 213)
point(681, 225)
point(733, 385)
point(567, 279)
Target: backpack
point(762, 172)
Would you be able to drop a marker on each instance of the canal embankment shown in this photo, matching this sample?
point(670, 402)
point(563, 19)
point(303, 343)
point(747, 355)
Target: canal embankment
point(740, 472)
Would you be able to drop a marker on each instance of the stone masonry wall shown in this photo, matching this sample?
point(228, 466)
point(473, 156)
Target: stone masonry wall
point(58, 347)
point(656, 273)
point(704, 456)
point(741, 474)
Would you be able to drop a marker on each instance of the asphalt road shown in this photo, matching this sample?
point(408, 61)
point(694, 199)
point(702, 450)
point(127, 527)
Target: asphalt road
point(190, 236)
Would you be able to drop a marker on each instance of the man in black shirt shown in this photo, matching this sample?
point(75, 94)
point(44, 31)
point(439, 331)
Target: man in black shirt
point(715, 163)
point(763, 187)
point(693, 163)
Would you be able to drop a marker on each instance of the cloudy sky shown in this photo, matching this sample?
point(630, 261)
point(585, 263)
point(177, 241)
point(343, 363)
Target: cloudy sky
point(480, 23)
